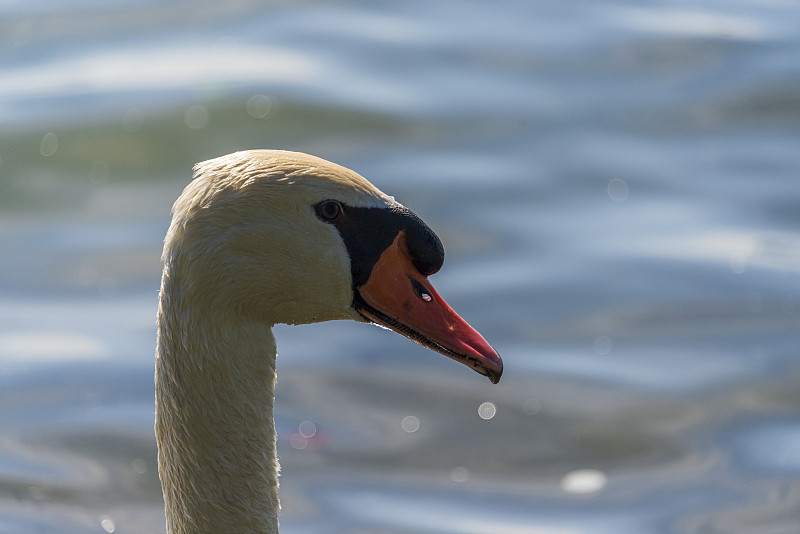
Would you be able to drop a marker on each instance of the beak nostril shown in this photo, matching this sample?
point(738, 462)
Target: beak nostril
point(421, 291)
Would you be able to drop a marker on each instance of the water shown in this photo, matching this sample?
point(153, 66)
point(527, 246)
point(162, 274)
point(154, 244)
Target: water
point(616, 185)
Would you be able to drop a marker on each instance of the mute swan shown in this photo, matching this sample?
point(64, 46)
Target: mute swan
point(259, 238)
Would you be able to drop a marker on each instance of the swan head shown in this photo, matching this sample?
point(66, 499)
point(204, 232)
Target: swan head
point(283, 237)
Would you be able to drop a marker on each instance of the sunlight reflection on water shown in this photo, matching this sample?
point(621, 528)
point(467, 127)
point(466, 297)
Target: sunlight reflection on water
point(456, 514)
point(43, 346)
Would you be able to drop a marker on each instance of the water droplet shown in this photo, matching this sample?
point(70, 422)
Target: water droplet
point(459, 474)
point(307, 429)
point(584, 481)
point(49, 144)
point(487, 410)
point(410, 424)
point(108, 524)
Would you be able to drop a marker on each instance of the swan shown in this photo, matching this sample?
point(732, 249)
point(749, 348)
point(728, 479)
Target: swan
point(264, 237)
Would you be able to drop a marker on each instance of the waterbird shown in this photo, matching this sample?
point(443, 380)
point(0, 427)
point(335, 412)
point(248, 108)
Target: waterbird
point(259, 238)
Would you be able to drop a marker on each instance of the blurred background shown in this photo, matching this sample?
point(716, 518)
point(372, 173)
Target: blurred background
point(617, 185)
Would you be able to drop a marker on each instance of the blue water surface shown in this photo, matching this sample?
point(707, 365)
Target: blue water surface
point(617, 185)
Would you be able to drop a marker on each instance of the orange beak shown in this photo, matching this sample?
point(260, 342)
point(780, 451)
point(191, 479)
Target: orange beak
point(396, 295)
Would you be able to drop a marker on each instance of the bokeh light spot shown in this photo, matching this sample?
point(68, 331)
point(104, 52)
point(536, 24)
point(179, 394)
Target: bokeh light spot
point(298, 441)
point(49, 144)
point(259, 106)
point(410, 424)
point(603, 345)
point(108, 524)
point(618, 190)
point(196, 117)
point(139, 466)
point(459, 474)
point(584, 481)
point(307, 429)
point(487, 410)
point(531, 406)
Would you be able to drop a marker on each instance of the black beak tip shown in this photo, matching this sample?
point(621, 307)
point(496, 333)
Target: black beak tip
point(494, 375)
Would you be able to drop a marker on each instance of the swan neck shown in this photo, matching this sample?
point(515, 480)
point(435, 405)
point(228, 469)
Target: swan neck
point(214, 425)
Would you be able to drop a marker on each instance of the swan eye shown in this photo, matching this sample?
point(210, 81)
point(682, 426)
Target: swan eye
point(329, 210)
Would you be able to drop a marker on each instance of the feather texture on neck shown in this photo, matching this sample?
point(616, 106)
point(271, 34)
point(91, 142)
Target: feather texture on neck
point(214, 423)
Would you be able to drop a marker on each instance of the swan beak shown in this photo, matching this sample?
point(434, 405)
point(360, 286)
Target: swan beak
point(396, 295)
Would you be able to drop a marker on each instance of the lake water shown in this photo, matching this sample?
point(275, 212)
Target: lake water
point(617, 185)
